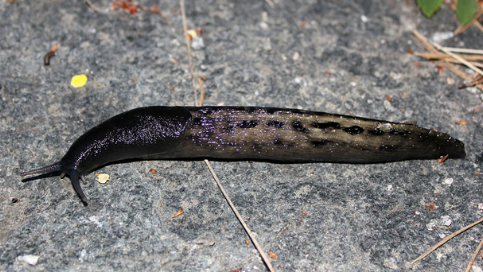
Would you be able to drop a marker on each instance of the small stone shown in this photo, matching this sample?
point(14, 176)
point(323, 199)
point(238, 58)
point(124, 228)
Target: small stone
point(388, 106)
point(30, 259)
point(446, 221)
point(448, 181)
point(197, 43)
point(432, 224)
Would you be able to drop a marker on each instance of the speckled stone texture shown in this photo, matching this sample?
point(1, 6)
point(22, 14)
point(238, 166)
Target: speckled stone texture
point(340, 56)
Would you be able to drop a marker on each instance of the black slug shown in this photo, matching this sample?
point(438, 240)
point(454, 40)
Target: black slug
point(247, 133)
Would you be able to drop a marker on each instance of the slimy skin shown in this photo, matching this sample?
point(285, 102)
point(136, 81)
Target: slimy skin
point(247, 133)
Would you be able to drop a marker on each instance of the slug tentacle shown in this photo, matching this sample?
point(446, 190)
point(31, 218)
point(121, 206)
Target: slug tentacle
point(44, 170)
point(248, 133)
point(74, 179)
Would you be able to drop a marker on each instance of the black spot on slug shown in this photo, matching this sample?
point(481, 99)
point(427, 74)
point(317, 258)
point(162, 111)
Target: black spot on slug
point(275, 124)
point(326, 125)
point(376, 132)
point(278, 141)
point(247, 124)
point(319, 143)
point(397, 132)
point(354, 130)
point(229, 129)
point(196, 121)
point(299, 126)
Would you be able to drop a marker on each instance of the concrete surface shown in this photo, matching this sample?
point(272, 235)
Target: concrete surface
point(352, 55)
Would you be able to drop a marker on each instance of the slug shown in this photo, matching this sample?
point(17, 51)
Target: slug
point(247, 133)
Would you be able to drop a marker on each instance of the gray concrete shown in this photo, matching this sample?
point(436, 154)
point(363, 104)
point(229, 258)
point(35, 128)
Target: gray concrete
point(359, 217)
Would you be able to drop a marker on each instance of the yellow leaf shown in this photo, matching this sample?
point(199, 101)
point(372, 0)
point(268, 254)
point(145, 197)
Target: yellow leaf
point(180, 212)
point(103, 178)
point(192, 33)
point(78, 81)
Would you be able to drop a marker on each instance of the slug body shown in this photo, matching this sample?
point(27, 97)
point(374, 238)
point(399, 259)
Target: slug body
point(247, 133)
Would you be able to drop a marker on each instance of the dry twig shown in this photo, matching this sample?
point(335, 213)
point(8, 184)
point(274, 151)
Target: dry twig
point(445, 62)
point(202, 90)
point(188, 47)
point(446, 239)
point(441, 56)
point(238, 215)
point(95, 8)
point(439, 47)
point(270, 3)
point(473, 258)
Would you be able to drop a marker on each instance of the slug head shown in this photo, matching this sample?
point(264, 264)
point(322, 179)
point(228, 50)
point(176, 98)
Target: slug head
point(142, 133)
point(57, 167)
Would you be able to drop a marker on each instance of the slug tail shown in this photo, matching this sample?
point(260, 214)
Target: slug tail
point(74, 178)
point(44, 170)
